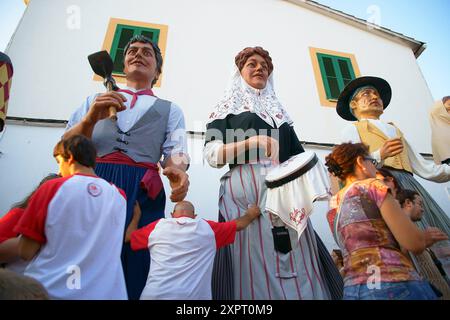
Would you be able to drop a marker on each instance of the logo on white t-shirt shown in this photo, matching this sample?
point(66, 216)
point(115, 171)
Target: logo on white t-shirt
point(94, 189)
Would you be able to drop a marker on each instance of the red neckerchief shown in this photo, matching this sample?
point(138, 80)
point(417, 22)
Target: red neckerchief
point(146, 92)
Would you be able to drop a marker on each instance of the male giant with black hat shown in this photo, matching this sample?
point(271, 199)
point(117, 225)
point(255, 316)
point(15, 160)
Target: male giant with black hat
point(363, 100)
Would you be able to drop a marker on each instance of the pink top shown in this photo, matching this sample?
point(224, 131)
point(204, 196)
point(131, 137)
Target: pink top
point(367, 244)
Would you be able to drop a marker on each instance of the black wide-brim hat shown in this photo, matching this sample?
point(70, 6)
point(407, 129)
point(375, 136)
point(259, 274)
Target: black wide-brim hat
point(4, 58)
point(343, 104)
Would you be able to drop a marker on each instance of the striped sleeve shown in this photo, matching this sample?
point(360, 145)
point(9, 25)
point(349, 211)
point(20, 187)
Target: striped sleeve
point(224, 232)
point(139, 238)
point(32, 222)
point(8, 222)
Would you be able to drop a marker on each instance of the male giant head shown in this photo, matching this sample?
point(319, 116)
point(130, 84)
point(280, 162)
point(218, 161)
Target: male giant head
point(142, 60)
point(365, 98)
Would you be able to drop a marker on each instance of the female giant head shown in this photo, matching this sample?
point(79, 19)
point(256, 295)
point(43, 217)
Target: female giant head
point(255, 66)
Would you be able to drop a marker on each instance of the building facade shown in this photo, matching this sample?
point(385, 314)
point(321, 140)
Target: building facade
point(315, 49)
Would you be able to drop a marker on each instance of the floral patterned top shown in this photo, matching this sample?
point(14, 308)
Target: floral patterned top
point(368, 246)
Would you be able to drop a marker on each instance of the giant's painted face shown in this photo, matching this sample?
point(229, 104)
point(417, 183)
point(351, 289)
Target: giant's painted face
point(367, 102)
point(447, 105)
point(140, 61)
point(255, 71)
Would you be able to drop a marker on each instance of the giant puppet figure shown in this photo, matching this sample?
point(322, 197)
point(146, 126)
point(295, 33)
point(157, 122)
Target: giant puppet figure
point(363, 101)
point(268, 261)
point(6, 73)
point(147, 129)
point(440, 130)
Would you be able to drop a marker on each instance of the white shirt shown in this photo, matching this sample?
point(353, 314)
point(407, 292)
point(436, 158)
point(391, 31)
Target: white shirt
point(79, 222)
point(211, 153)
point(423, 168)
point(182, 253)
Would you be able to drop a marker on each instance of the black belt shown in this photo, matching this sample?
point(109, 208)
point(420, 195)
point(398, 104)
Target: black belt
point(294, 175)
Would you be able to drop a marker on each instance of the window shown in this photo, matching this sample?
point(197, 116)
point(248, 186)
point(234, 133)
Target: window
point(120, 32)
point(333, 71)
point(336, 73)
point(122, 35)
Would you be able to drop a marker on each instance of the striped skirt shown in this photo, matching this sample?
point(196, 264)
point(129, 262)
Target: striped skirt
point(251, 268)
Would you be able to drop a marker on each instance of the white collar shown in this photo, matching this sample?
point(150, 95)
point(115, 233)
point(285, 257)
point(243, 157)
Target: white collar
point(135, 90)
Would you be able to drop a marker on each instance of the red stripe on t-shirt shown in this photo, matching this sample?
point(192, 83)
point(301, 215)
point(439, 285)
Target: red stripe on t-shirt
point(224, 232)
point(32, 222)
point(8, 222)
point(124, 195)
point(139, 238)
point(120, 190)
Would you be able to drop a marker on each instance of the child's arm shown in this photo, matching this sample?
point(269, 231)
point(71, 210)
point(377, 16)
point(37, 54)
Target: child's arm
point(9, 250)
point(433, 235)
point(133, 226)
point(251, 214)
point(225, 232)
point(28, 248)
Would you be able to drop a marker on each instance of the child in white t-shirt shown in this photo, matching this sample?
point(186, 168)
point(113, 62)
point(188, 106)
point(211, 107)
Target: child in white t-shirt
point(72, 229)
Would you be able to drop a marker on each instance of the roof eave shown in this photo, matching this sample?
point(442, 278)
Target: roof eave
point(416, 46)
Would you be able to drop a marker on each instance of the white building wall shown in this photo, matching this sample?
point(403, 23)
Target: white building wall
point(52, 74)
point(27, 157)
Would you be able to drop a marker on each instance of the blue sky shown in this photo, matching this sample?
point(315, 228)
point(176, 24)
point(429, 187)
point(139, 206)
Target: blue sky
point(424, 20)
point(10, 13)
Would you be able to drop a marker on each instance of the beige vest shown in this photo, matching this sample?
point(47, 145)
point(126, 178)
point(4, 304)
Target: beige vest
point(375, 138)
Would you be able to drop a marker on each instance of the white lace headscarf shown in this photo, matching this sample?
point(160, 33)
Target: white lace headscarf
point(241, 97)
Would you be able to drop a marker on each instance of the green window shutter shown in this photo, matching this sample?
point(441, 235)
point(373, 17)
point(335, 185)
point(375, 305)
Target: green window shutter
point(346, 68)
point(152, 34)
point(336, 73)
point(122, 35)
